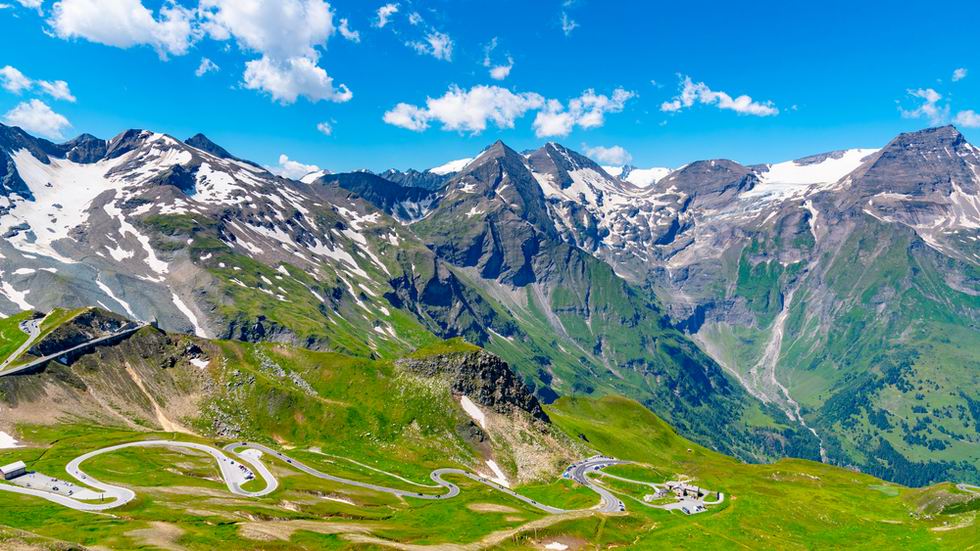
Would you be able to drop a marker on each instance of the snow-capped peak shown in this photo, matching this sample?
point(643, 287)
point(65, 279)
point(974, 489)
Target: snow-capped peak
point(822, 169)
point(314, 176)
point(451, 167)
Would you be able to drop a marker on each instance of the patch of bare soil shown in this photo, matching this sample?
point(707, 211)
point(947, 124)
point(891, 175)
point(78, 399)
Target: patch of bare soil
point(283, 530)
point(162, 535)
point(487, 542)
point(490, 508)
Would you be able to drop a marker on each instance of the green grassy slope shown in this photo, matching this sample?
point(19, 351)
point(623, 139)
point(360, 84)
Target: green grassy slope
point(791, 504)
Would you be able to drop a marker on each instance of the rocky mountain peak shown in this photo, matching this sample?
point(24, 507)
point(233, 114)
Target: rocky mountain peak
point(86, 149)
point(712, 181)
point(202, 142)
point(934, 160)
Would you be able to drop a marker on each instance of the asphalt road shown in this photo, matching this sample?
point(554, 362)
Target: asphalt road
point(608, 503)
point(452, 490)
point(49, 357)
point(234, 473)
point(237, 473)
point(33, 328)
point(969, 488)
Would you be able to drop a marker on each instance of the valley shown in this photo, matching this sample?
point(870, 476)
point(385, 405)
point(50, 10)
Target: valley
point(408, 359)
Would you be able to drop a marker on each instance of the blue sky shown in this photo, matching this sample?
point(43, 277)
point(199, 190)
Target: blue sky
point(820, 76)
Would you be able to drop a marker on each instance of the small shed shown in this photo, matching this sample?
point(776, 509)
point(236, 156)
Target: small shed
point(13, 470)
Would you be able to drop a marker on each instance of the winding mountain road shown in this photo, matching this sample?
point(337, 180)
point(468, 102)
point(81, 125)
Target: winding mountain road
point(238, 471)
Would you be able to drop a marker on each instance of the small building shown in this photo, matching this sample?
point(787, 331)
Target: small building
point(13, 470)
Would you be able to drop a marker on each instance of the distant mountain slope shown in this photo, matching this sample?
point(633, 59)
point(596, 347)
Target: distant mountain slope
point(834, 297)
point(583, 326)
point(404, 203)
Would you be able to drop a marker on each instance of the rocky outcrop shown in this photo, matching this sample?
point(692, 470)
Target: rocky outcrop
point(483, 378)
point(92, 324)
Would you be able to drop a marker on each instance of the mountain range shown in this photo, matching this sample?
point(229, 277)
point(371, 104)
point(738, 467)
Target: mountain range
point(823, 308)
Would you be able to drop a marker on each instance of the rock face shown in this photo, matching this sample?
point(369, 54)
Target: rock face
point(405, 203)
point(415, 178)
point(482, 377)
point(91, 324)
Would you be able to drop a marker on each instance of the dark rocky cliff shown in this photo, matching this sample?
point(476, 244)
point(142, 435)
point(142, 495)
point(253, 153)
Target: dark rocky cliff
point(481, 376)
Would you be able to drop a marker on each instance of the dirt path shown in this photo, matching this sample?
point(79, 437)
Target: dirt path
point(165, 422)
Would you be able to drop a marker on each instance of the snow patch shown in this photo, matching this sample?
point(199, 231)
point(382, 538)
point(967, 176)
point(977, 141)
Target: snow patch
point(189, 314)
point(473, 411)
point(498, 475)
point(451, 167)
point(7, 442)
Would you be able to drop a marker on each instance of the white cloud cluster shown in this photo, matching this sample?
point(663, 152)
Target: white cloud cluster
point(928, 107)
point(699, 92)
point(466, 110)
point(586, 111)
point(346, 32)
point(287, 80)
point(289, 168)
point(384, 15)
point(126, 23)
point(615, 155)
point(37, 118)
point(425, 40)
point(497, 71)
point(206, 66)
point(437, 44)
point(474, 109)
point(12, 80)
point(32, 4)
point(959, 74)
point(325, 128)
point(287, 34)
point(968, 119)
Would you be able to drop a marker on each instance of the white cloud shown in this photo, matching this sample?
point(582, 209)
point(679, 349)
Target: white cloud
point(959, 74)
point(928, 108)
point(968, 119)
point(280, 29)
point(472, 110)
point(414, 18)
point(36, 117)
point(567, 24)
point(384, 14)
point(692, 93)
point(325, 128)
point(13, 80)
point(206, 66)
point(500, 72)
point(31, 4)
point(438, 45)
point(345, 31)
point(294, 170)
point(125, 23)
point(585, 111)
point(287, 34)
point(57, 90)
point(614, 155)
point(466, 111)
point(287, 80)
point(497, 72)
point(411, 117)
